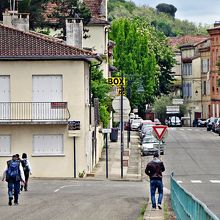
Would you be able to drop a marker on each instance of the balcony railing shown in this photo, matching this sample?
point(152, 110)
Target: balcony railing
point(33, 112)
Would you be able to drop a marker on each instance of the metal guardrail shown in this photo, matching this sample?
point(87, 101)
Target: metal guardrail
point(187, 206)
point(33, 111)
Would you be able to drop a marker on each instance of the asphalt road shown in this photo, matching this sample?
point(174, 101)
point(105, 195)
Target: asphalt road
point(193, 154)
point(81, 200)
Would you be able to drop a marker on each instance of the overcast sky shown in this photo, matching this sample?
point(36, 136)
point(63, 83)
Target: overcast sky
point(198, 11)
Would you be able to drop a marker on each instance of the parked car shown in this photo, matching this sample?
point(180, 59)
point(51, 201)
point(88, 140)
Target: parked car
point(209, 123)
point(174, 121)
point(157, 121)
point(217, 129)
point(145, 130)
point(150, 145)
point(215, 124)
point(136, 123)
point(201, 122)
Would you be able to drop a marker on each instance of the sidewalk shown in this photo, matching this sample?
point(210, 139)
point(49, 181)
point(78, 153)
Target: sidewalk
point(131, 168)
point(131, 161)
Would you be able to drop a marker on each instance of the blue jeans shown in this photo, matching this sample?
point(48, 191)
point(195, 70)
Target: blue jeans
point(154, 185)
point(13, 188)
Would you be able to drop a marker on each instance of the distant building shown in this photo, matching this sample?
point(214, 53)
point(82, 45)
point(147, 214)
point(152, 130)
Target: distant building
point(214, 70)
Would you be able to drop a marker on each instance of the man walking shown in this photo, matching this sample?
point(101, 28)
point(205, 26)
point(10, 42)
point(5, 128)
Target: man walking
point(154, 170)
point(13, 175)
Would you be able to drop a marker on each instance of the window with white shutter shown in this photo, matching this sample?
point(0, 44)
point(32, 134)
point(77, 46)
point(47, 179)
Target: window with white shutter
point(5, 145)
point(48, 144)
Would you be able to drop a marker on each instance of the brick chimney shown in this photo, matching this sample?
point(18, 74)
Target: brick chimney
point(74, 32)
point(16, 20)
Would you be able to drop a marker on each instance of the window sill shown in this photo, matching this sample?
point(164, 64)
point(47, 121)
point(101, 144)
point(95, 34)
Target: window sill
point(48, 155)
point(5, 155)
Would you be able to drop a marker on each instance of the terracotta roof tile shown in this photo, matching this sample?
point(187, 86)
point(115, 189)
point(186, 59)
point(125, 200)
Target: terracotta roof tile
point(15, 43)
point(175, 42)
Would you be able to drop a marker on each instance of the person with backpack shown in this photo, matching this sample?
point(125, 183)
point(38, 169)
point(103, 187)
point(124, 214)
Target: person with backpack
point(154, 170)
point(13, 175)
point(27, 170)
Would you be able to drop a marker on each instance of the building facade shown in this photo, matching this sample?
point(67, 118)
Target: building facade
point(45, 103)
point(214, 70)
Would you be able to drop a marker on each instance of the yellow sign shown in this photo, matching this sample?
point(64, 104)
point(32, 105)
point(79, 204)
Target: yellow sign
point(117, 81)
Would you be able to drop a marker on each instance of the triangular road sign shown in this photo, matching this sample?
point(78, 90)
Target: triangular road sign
point(159, 131)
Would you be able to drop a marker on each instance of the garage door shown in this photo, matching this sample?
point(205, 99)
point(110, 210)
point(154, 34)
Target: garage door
point(47, 89)
point(4, 97)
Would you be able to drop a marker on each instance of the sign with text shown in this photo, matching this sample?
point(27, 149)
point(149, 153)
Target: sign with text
point(177, 101)
point(116, 81)
point(175, 109)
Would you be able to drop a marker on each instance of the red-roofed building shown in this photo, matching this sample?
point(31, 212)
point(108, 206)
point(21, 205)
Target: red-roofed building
point(45, 103)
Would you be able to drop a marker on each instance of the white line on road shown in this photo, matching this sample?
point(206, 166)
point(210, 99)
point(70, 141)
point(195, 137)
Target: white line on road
point(196, 181)
point(214, 181)
point(181, 129)
point(64, 187)
point(189, 129)
point(179, 181)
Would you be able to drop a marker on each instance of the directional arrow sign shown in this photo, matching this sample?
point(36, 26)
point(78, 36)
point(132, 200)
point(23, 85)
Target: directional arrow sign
point(159, 131)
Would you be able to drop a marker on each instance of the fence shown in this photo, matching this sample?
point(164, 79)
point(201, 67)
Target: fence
point(186, 206)
point(34, 111)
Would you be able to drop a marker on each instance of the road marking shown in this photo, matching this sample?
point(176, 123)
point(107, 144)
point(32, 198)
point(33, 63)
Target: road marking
point(214, 181)
point(179, 181)
point(196, 181)
point(189, 129)
point(64, 187)
point(181, 129)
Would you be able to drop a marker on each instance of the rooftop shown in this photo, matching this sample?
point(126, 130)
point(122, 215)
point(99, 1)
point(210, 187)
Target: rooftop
point(19, 44)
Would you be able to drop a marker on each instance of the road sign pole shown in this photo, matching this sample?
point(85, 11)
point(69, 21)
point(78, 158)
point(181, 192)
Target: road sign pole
point(122, 126)
point(159, 147)
point(106, 145)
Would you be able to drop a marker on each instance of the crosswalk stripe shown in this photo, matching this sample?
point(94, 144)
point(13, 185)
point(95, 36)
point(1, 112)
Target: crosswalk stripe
point(179, 181)
point(196, 181)
point(189, 129)
point(214, 181)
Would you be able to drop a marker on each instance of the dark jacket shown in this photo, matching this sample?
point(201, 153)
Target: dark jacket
point(154, 169)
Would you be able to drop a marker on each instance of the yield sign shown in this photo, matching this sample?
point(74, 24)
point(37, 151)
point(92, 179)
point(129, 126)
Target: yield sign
point(160, 131)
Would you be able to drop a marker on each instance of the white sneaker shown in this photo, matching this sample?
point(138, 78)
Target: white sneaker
point(159, 206)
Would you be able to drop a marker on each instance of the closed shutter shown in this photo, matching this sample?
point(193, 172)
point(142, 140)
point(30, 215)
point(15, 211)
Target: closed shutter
point(5, 144)
point(47, 89)
point(48, 144)
point(4, 97)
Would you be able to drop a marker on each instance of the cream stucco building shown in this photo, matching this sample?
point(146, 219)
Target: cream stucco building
point(45, 103)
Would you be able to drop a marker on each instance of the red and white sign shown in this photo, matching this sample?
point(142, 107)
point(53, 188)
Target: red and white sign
point(159, 131)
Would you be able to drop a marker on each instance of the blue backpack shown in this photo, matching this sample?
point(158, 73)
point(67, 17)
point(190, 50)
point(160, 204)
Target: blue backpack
point(13, 171)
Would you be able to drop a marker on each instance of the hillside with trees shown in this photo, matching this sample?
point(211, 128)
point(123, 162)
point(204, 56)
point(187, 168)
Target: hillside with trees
point(162, 21)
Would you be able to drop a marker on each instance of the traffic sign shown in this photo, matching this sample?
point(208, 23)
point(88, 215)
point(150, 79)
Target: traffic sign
point(117, 81)
point(106, 130)
point(177, 101)
point(174, 109)
point(116, 104)
point(159, 131)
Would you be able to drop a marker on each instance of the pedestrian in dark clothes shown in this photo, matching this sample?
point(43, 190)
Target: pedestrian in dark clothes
point(154, 170)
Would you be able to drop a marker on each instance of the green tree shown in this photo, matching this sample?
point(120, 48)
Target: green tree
point(100, 89)
point(143, 55)
point(133, 57)
point(166, 8)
